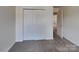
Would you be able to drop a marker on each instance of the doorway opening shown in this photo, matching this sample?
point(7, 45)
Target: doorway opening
point(58, 22)
point(55, 24)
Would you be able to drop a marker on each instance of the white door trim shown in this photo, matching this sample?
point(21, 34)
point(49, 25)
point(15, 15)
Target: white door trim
point(62, 23)
point(19, 20)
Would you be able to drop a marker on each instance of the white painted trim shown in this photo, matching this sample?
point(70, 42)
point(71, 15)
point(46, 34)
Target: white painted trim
point(19, 40)
point(19, 33)
point(62, 23)
point(41, 39)
point(48, 38)
point(70, 41)
point(9, 47)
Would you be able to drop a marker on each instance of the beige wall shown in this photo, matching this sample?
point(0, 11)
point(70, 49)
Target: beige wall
point(7, 27)
point(71, 24)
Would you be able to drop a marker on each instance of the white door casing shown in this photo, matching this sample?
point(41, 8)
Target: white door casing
point(20, 17)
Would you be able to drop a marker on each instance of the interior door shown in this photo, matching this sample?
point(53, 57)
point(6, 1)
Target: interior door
point(34, 28)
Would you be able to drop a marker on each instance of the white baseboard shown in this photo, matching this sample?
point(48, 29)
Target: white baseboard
point(70, 41)
point(19, 40)
point(9, 47)
point(41, 39)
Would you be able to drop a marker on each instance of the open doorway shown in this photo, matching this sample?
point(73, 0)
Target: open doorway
point(55, 24)
point(58, 21)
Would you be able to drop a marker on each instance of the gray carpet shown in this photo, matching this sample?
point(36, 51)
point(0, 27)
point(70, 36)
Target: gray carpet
point(33, 46)
point(56, 45)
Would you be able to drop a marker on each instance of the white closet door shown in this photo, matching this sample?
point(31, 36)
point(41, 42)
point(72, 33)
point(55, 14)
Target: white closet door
point(36, 24)
point(28, 25)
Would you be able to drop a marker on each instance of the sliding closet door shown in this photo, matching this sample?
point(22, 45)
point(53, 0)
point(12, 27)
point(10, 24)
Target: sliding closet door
point(36, 25)
point(28, 27)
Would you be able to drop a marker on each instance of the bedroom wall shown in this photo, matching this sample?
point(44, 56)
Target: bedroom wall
point(71, 24)
point(7, 27)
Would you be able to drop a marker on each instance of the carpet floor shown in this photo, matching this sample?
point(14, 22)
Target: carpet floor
point(55, 45)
